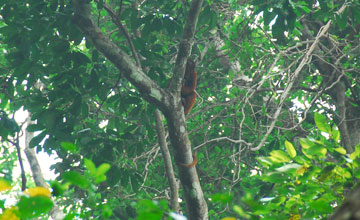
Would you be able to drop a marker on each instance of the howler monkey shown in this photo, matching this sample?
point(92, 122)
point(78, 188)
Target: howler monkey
point(188, 94)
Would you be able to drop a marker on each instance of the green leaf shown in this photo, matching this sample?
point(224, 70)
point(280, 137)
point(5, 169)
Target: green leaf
point(2, 204)
point(343, 172)
point(279, 156)
point(306, 154)
point(147, 209)
point(290, 149)
point(90, 166)
point(322, 123)
point(103, 168)
point(321, 205)
point(279, 200)
point(4, 100)
point(80, 58)
point(306, 143)
point(34, 127)
point(356, 153)
point(289, 167)
point(279, 28)
point(58, 189)
point(335, 134)
point(106, 211)
point(8, 126)
point(48, 119)
point(70, 216)
point(241, 212)
point(37, 139)
point(100, 178)
point(306, 9)
point(76, 179)
point(222, 197)
point(100, 172)
point(269, 16)
point(114, 175)
point(273, 177)
point(316, 150)
point(264, 161)
point(69, 146)
point(32, 207)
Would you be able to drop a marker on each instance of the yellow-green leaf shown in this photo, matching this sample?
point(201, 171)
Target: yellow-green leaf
point(340, 150)
point(301, 170)
point(288, 167)
point(4, 185)
point(317, 150)
point(342, 172)
point(228, 218)
point(241, 212)
point(306, 143)
point(90, 166)
point(69, 146)
point(356, 152)
point(335, 134)
point(321, 123)
point(264, 161)
point(279, 156)
point(103, 168)
point(290, 149)
point(306, 154)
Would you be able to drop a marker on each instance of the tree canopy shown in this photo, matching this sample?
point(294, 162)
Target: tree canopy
point(275, 128)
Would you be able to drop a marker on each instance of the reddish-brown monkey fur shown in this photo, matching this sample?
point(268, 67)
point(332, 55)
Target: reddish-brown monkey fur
point(192, 164)
point(188, 94)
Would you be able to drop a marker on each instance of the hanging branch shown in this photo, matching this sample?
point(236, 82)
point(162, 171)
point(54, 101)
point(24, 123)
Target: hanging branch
point(174, 189)
point(116, 20)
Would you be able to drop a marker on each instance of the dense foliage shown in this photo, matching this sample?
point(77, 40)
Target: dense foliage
point(276, 126)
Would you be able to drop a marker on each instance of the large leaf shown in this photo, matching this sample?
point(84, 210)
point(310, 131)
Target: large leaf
point(290, 149)
point(315, 150)
point(32, 207)
point(306, 143)
point(279, 156)
point(322, 123)
point(37, 139)
point(76, 179)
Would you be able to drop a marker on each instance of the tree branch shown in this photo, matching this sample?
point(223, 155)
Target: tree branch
point(146, 86)
point(186, 42)
point(174, 203)
point(117, 22)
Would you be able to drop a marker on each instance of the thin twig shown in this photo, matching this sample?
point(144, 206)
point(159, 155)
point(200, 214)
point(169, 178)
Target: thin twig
point(323, 30)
